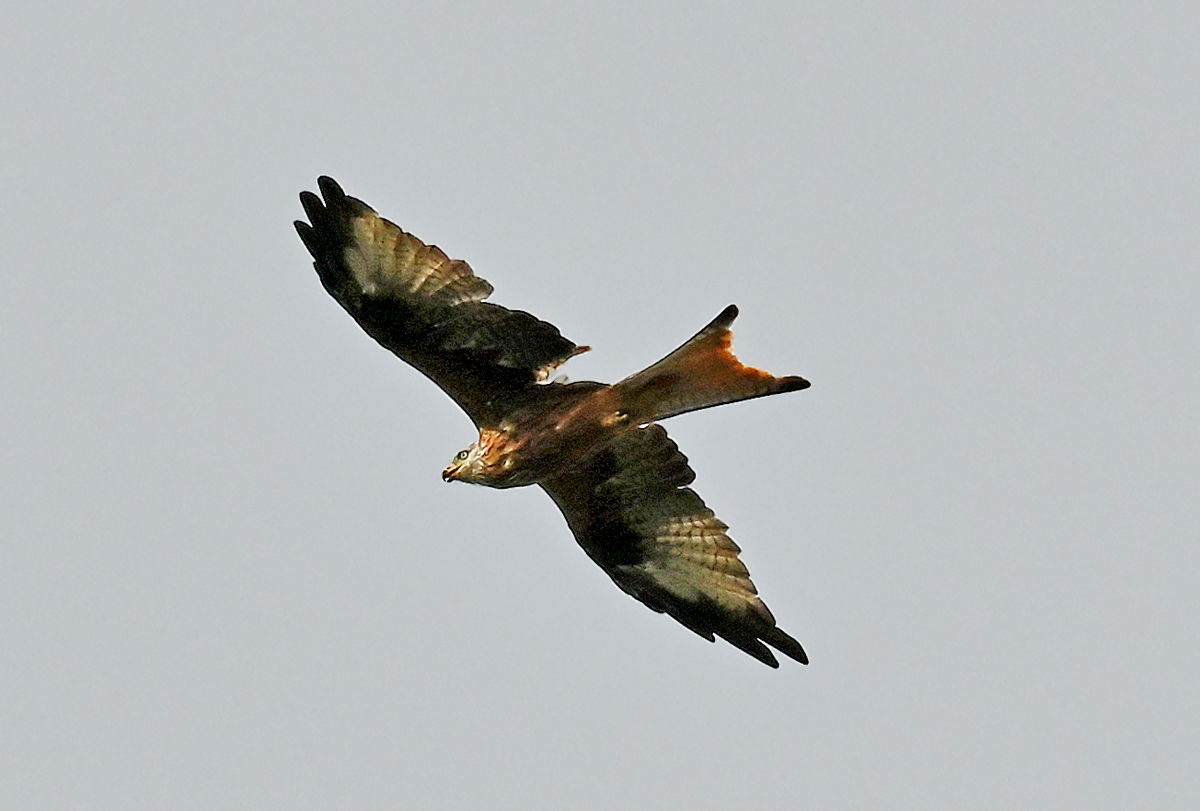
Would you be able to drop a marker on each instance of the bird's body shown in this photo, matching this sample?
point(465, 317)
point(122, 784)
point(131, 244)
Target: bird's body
point(596, 449)
point(539, 440)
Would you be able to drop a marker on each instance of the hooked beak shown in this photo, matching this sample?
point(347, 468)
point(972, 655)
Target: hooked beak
point(450, 473)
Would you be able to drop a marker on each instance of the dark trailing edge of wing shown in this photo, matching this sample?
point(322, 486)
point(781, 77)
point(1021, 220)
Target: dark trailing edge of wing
point(426, 308)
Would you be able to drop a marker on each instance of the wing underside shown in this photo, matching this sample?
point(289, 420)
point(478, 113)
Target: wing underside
point(631, 510)
point(425, 307)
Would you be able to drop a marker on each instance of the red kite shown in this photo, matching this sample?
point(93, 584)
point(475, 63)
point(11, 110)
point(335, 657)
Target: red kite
point(596, 449)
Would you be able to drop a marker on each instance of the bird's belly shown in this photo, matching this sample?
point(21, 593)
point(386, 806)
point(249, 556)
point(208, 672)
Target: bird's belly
point(541, 455)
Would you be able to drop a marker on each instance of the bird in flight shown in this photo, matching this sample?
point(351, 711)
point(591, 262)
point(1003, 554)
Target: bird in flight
point(597, 450)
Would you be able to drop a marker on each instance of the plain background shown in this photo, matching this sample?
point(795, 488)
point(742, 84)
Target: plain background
point(231, 577)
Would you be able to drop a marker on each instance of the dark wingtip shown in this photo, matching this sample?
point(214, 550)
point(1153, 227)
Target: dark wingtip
point(786, 644)
point(796, 653)
point(758, 650)
point(307, 236)
point(793, 383)
point(314, 209)
point(329, 187)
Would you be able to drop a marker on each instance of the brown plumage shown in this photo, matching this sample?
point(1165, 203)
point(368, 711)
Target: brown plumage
point(596, 449)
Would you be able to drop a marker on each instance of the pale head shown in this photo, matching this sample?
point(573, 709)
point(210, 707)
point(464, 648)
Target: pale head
point(489, 461)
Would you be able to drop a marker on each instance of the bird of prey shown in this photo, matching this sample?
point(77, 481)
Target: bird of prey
point(597, 450)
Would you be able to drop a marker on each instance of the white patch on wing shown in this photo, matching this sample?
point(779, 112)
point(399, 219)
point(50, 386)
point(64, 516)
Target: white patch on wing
point(386, 259)
point(362, 255)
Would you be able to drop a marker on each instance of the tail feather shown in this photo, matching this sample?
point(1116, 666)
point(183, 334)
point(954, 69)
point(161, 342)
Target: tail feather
point(702, 373)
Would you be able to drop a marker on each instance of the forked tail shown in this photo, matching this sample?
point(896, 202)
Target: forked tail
point(702, 373)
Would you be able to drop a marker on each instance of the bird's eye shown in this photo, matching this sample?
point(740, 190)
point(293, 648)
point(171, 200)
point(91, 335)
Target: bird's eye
point(461, 456)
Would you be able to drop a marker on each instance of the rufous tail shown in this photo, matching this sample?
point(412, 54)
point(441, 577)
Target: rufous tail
point(702, 373)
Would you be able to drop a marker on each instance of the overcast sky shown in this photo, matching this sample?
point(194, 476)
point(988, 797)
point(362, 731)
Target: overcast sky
point(230, 576)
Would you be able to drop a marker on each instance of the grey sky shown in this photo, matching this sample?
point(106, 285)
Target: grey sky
point(231, 576)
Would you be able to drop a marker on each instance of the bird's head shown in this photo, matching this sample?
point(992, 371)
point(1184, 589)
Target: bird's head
point(489, 461)
point(466, 465)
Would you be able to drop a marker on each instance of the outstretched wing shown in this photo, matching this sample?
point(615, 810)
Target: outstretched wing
point(633, 513)
point(426, 308)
